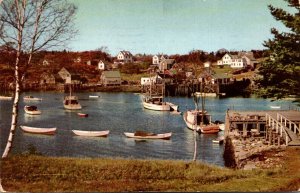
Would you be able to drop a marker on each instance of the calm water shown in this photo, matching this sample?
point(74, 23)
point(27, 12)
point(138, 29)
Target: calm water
point(120, 112)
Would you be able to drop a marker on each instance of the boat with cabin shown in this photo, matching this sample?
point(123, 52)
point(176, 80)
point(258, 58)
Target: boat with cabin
point(71, 101)
point(156, 102)
point(200, 120)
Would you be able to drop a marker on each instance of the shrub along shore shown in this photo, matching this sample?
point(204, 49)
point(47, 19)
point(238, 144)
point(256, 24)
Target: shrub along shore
point(37, 173)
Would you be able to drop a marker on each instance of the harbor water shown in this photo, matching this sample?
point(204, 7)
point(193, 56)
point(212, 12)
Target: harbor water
point(119, 113)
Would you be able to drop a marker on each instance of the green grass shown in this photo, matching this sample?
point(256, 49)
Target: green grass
point(133, 77)
point(43, 174)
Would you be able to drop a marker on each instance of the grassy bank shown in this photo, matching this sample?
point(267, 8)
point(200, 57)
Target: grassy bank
point(44, 174)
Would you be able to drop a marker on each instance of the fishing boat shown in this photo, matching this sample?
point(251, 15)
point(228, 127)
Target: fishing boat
point(156, 102)
point(91, 133)
point(31, 98)
point(5, 97)
point(218, 140)
point(32, 110)
point(147, 135)
point(200, 120)
point(39, 130)
point(71, 102)
point(82, 114)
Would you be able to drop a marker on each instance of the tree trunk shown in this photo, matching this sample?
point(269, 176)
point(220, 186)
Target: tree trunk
point(14, 119)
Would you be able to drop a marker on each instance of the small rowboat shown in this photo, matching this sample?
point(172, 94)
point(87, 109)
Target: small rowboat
point(82, 114)
point(219, 140)
point(5, 97)
point(91, 133)
point(31, 110)
point(210, 129)
point(38, 130)
point(275, 107)
point(31, 98)
point(146, 135)
point(94, 96)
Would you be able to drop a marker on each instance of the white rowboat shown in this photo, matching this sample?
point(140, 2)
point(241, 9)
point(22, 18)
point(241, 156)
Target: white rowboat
point(32, 110)
point(94, 96)
point(38, 130)
point(5, 97)
point(31, 98)
point(91, 133)
point(149, 135)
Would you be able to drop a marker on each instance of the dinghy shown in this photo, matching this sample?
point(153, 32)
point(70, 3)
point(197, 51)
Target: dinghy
point(146, 135)
point(39, 130)
point(91, 133)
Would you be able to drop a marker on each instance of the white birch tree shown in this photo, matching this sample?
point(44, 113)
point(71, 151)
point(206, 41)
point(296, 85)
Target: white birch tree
point(33, 25)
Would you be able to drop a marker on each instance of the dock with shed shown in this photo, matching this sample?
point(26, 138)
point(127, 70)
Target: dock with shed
point(250, 132)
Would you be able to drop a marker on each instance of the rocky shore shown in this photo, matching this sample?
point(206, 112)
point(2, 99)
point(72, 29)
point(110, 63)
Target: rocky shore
point(250, 153)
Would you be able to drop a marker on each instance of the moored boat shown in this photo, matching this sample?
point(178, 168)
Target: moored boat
point(94, 96)
point(155, 103)
point(39, 130)
point(31, 98)
point(91, 133)
point(147, 135)
point(71, 103)
point(5, 97)
point(275, 107)
point(219, 140)
point(200, 120)
point(32, 110)
point(82, 114)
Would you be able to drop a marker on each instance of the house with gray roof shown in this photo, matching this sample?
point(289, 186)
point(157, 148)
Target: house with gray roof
point(234, 61)
point(124, 57)
point(110, 78)
point(166, 64)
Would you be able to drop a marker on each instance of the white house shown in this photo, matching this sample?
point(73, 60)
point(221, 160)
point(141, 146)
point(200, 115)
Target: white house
point(154, 79)
point(156, 59)
point(234, 61)
point(207, 64)
point(101, 65)
point(124, 57)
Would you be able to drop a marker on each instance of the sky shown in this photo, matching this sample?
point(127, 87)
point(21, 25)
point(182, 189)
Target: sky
point(174, 26)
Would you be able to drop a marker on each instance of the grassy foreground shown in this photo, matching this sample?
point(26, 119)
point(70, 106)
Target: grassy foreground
point(34, 173)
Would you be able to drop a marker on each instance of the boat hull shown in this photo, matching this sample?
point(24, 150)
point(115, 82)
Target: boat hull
point(156, 136)
point(31, 112)
point(156, 107)
point(5, 97)
point(205, 129)
point(37, 130)
point(82, 115)
point(91, 133)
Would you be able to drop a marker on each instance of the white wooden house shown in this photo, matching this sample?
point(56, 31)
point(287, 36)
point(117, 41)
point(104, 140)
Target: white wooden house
point(124, 57)
point(234, 61)
point(101, 65)
point(156, 59)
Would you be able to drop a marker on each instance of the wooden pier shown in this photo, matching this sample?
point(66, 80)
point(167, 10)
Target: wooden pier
point(281, 127)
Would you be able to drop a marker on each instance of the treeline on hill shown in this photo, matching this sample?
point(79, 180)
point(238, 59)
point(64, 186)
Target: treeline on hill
point(58, 59)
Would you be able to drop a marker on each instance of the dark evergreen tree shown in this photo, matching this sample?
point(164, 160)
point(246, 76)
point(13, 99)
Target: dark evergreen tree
point(280, 72)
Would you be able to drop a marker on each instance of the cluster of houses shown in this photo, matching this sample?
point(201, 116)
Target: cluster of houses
point(161, 68)
point(241, 60)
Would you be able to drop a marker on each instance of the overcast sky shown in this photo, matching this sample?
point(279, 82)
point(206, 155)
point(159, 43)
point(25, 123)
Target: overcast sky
point(173, 26)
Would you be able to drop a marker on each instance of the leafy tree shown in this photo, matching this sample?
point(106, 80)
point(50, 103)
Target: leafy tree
point(280, 72)
point(32, 26)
